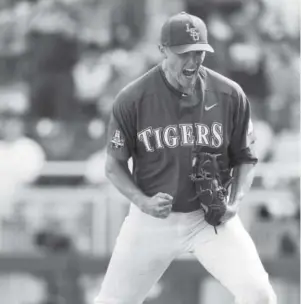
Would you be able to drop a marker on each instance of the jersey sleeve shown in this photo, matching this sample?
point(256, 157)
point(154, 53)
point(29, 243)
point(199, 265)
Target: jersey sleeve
point(242, 149)
point(121, 132)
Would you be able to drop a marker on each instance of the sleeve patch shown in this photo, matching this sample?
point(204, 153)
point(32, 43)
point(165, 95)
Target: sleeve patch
point(117, 141)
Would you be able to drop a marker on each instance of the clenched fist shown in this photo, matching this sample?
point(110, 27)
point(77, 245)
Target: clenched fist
point(158, 205)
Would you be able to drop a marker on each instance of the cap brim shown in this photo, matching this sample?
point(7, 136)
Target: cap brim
point(180, 49)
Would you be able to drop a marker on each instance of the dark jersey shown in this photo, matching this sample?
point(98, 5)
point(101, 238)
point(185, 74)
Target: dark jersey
point(154, 124)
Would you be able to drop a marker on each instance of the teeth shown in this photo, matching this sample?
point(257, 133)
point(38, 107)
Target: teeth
point(189, 72)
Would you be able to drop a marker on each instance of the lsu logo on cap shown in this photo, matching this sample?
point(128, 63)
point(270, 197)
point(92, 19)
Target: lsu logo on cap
point(117, 141)
point(193, 32)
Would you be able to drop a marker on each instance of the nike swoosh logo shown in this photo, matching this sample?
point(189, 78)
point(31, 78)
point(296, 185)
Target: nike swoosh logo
point(210, 107)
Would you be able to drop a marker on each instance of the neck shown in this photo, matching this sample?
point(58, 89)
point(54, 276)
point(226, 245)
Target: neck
point(190, 90)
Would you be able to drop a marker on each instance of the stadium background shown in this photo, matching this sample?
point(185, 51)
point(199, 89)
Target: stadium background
point(61, 64)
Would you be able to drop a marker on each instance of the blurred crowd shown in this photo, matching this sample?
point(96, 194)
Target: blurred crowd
point(62, 62)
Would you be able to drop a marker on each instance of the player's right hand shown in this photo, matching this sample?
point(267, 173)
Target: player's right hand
point(158, 205)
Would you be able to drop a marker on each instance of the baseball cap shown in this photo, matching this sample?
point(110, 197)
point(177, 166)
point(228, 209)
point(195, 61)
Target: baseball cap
point(184, 33)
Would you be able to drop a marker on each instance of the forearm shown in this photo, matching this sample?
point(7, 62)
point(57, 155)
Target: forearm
point(243, 176)
point(120, 176)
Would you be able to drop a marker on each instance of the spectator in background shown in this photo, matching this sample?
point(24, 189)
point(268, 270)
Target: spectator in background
point(53, 52)
point(283, 70)
point(21, 160)
point(92, 75)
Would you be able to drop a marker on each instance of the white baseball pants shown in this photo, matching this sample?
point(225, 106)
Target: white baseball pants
point(147, 245)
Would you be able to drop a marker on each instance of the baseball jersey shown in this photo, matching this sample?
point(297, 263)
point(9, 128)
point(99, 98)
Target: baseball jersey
point(158, 127)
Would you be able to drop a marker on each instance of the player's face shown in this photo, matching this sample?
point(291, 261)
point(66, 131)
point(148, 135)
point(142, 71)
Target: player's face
point(183, 68)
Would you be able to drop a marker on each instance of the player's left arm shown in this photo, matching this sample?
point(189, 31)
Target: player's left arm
point(242, 155)
point(243, 176)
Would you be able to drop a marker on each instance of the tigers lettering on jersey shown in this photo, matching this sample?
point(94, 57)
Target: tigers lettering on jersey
point(174, 135)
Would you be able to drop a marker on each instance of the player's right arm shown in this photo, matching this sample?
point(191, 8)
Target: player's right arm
point(120, 147)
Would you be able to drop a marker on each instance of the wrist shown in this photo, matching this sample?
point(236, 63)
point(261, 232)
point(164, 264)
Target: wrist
point(233, 208)
point(138, 198)
point(235, 200)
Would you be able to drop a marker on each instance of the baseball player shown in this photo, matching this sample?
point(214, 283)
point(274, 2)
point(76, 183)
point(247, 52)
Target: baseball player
point(189, 133)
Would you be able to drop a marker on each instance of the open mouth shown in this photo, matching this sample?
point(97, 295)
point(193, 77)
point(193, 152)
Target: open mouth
point(189, 72)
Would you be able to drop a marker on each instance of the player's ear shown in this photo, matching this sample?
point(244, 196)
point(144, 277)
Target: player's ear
point(162, 50)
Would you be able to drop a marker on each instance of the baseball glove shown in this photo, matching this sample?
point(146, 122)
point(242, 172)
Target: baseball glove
point(211, 189)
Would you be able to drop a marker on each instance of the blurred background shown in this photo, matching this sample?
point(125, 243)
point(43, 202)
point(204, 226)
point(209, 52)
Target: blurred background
point(62, 62)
